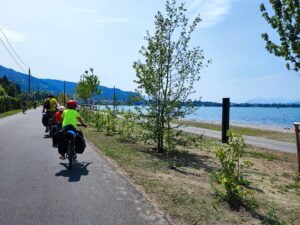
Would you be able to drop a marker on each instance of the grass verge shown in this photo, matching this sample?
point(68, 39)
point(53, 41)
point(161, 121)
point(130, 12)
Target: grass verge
point(269, 134)
point(185, 192)
point(9, 113)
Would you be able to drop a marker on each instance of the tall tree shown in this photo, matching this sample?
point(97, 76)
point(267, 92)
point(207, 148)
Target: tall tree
point(88, 86)
point(286, 21)
point(2, 91)
point(168, 72)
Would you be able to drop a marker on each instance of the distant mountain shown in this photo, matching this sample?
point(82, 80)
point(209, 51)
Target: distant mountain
point(273, 101)
point(57, 86)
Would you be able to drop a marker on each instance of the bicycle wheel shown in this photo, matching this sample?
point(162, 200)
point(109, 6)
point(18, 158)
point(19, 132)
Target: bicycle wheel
point(50, 128)
point(71, 155)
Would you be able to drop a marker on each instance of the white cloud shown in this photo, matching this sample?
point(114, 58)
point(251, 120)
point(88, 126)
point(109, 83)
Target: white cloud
point(113, 20)
point(211, 12)
point(12, 36)
point(82, 10)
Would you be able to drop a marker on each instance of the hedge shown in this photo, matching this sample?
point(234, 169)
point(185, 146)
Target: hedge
point(9, 103)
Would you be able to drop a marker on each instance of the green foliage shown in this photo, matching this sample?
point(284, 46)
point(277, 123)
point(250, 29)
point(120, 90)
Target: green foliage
point(110, 122)
point(88, 86)
point(127, 126)
point(104, 120)
point(168, 73)
point(62, 98)
point(2, 91)
point(87, 115)
point(9, 103)
point(9, 88)
point(286, 23)
point(230, 176)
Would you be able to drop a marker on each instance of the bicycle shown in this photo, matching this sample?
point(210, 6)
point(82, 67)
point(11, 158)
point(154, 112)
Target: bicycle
point(50, 126)
point(71, 154)
point(24, 108)
point(70, 135)
point(49, 123)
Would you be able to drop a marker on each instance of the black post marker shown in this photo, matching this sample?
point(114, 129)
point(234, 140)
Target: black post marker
point(225, 119)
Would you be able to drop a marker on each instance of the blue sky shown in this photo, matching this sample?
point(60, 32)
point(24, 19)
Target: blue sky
point(60, 39)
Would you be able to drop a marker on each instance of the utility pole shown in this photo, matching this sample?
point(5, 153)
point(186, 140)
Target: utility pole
point(64, 93)
point(38, 92)
point(29, 84)
point(114, 98)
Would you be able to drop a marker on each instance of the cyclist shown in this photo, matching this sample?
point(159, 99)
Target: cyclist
point(69, 121)
point(24, 106)
point(57, 116)
point(34, 104)
point(50, 106)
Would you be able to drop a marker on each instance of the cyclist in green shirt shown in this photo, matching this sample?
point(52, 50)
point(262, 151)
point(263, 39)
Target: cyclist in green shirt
point(71, 115)
point(69, 121)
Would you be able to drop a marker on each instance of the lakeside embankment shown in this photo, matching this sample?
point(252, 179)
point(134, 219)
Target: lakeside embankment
point(274, 133)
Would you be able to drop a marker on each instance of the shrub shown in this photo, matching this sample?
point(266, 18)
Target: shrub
point(230, 176)
point(9, 103)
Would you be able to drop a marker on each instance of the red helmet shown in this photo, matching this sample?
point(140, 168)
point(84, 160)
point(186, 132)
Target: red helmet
point(72, 104)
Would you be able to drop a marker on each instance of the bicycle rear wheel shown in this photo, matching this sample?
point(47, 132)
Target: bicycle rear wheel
point(50, 127)
point(71, 149)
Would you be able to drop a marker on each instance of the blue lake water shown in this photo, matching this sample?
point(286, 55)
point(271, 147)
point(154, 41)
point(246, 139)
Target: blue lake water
point(257, 116)
point(260, 116)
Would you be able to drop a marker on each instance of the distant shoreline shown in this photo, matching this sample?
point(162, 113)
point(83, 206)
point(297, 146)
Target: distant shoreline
point(264, 105)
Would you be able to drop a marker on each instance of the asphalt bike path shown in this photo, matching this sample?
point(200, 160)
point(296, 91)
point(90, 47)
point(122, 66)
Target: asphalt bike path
point(37, 189)
point(250, 140)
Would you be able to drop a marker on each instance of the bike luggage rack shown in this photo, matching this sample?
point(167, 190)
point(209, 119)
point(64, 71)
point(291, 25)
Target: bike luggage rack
point(297, 131)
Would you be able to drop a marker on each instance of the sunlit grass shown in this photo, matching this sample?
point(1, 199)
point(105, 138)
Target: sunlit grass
point(9, 113)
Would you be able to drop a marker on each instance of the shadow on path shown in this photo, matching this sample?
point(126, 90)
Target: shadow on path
point(79, 169)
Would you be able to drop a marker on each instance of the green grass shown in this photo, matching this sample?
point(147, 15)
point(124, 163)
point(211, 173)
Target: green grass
point(274, 135)
point(9, 113)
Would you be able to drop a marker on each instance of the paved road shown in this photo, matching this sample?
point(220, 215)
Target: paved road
point(37, 189)
point(250, 140)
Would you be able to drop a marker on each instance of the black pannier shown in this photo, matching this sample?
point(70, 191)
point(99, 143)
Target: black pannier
point(79, 143)
point(58, 136)
point(45, 119)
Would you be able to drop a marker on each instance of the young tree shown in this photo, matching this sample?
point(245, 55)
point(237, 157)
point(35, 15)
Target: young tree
point(88, 86)
point(286, 21)
point(168, 72)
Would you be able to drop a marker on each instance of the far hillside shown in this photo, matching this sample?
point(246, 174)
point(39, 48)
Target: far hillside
point(56, 86)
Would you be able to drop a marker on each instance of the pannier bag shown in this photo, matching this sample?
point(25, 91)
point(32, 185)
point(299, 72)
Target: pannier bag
point(45, 119)
point(47, 104)
point(79, 143)
point(57, 137)
point(63, 143)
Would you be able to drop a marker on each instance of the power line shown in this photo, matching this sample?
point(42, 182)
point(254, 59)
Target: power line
point(13, 49)
point(12, 55)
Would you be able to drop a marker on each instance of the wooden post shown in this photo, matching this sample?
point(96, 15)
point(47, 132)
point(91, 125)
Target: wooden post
point(225, 119)
point(297, 131)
